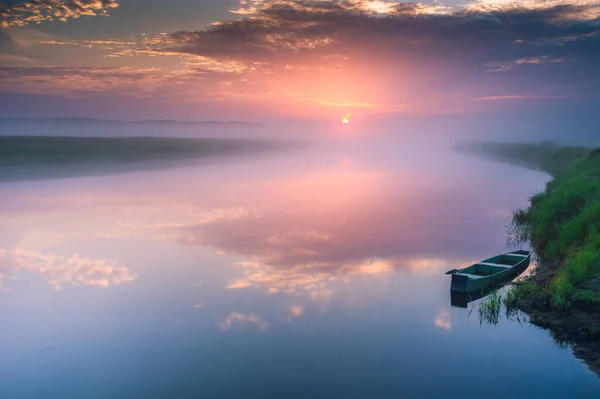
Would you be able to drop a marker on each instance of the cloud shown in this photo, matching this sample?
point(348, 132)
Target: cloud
point(144, 45)
point(38, 11)
point(242, 320)
point(138, 82)
point(285, 27)
point(516, 97)
point(14, 48)
point(346, 53)
point(78, 81)
point(63, 270)
point(302, 57)
point(501, 67)
point(110, 44)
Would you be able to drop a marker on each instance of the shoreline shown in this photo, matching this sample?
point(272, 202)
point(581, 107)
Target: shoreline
point(563, 295)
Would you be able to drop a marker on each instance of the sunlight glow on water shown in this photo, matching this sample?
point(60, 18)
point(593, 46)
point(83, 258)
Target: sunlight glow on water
point(315, 275)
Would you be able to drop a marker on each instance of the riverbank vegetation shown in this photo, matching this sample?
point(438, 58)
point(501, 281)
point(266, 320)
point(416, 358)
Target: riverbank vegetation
point(49, 150)
point(562, 225)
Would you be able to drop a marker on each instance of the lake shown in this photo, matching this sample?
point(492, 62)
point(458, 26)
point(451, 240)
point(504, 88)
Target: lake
point(305, 274)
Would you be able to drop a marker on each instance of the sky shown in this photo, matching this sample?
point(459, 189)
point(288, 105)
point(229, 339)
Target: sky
point(260, 60)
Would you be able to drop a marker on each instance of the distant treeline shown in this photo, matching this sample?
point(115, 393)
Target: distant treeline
point(34, 157)
point(546, 156)
point(112, 122)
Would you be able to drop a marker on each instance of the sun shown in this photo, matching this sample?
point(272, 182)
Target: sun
point(346, 118)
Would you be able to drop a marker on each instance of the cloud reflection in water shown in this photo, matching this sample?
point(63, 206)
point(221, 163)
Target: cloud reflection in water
point(443, 320)
point(296, 233)
point(301, 234)
point(242, 320)
point(63, 270)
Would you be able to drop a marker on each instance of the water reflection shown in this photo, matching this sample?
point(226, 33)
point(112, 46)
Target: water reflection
point(443, 320)
point(333, 220)
point(304, 232)
point(240, 320)
point(296, 311)
point(462, 299)
point(300, 232)
point(63, 270)
point(270, 276)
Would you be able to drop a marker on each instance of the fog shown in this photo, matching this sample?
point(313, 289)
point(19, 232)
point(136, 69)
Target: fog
point(575, 124)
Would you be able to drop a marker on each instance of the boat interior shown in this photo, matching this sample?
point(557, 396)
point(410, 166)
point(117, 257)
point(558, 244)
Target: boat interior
point(496, 264)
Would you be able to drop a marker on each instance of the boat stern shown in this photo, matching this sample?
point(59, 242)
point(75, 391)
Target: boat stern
point(459, 283)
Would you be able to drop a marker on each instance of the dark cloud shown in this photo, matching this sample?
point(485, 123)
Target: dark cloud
point(299, 25)
point(364, 55)
point(434, 38)
point(426, 54)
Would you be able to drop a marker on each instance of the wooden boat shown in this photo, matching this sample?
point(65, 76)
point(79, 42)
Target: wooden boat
point(492, 271)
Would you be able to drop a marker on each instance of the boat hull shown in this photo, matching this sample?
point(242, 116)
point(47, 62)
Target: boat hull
point(467, 283)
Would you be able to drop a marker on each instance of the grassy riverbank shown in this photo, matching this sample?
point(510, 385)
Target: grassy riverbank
point(562, 224)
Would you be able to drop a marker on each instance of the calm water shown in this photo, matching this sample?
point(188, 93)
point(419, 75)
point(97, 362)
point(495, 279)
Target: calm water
point(312, 274)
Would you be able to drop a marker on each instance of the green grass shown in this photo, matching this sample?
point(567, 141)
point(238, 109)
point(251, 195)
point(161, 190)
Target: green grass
point(563, 226)
point(526, 289)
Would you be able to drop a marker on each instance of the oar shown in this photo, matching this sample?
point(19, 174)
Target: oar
point(452, 271)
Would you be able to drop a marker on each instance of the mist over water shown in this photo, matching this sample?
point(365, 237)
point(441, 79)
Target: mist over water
point(43, 157)
point(260, 198)
point(283, 274)
point(573, 124)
